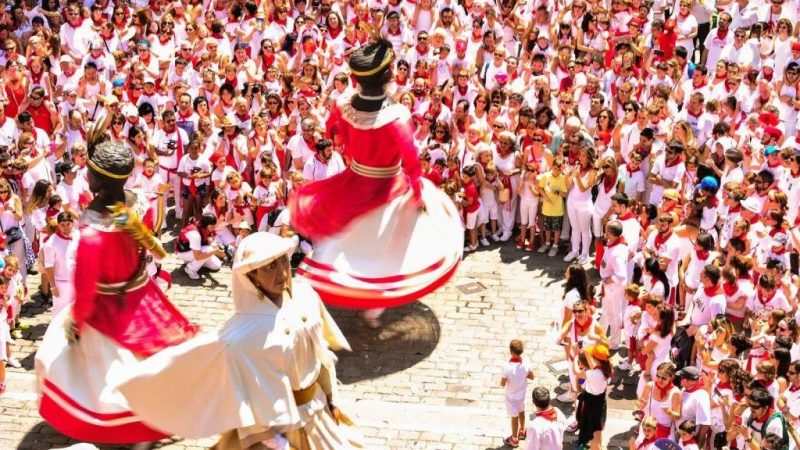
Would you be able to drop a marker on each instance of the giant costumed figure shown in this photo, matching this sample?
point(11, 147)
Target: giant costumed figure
point(119, 315)
point(383, 235)
point(267, 379)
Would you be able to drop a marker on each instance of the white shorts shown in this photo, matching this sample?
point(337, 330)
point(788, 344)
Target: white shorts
point(487, 212)
point(528, 210)
point(472, 219)
point(515, 407)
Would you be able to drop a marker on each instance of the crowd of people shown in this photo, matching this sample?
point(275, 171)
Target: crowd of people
point(658, 139)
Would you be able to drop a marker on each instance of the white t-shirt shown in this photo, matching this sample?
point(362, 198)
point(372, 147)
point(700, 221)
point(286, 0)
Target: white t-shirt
point(516, 376)
point(59, 254)
point(696, 406)
point(187, 165)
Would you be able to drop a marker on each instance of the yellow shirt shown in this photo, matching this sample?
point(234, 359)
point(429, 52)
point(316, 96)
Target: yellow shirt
point(552, 204)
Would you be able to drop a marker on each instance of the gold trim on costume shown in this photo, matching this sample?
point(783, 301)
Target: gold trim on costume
point(386, 61)
point(375, 172)
point(102, 171)
point(114, 288)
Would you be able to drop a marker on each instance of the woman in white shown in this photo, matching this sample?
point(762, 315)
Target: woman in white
point(738, 289)
point(579, 205)
point(579, 333)
point(716, 347)
point(782, 46)
point(606, 188)
point(658, 347)
point(662, 399)
point(269, 375)
point(218, 207)
point(528, 205)
point(789, 98)
point(686, 26)
point(509, 163)
point(264, 143)
point(10, 219)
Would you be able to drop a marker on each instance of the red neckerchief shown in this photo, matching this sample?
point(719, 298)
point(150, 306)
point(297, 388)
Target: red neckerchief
point(646, 442)
point(232, 82)
point(772, 166)
point(794, 388)
point(51, 212)
point(767, 414)
point(149, 177)
point(711, 291)
point(689, 441)
point(549, 414)
point(267, 61)
point(721, 386)
point(310, 143)
point(164, 41)
point(735, 209)
point(217, 211)
point(627, 216)
point(615, 242)
point(674, 163)
point(462, 91)
point(420, 51)
point(179, 144)
point(244, 118)
point(183, 118)
point(393, 33)
point(702, 254)
point(665, 390)
point(334, 32)
point(515, 359)
point(722, 34)
point(239, 210)
point(697, 386)
point(580, 330)
point(661, 239)
point(36, 78)
point(754, 220)
point(701, 85)
point(78, 24)
point(730, 288)
point(318, 158)
point(144, 61)
point(63, 236)
point(762, 300)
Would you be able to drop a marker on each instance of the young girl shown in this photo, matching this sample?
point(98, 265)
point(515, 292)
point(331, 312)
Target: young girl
point(14, 296)
point(269, 195)
point(489, 208)
point(594, 366)
point(529, 205)
point(5, 336)
point(686, 432)
point(472, 204)
point(645, 439)
point(631, 319)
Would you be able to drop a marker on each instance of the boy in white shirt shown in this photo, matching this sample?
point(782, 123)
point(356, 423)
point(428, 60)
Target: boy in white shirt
point(516, 374)
point(545, 431)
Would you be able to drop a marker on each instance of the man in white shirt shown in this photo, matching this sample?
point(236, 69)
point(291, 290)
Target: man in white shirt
point(69, 189)
point(546, 426)
point(614, 273)
point(325, 163)
point(302, 145)
point(708, 301)
point(60, 251)
point(695, 403)
point(170, 143)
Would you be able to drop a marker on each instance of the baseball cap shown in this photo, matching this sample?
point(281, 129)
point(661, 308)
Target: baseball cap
point(130, 111)
point(64, 58)
point(243, 225)
point(149, 79)
point(671, 194)
point(770, 150)
point(708, 184)
point(689, 373)
point(796, 47)
point(666, 444)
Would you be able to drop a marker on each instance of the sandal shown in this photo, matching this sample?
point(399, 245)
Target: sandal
point(522, 434)
point(511, 441)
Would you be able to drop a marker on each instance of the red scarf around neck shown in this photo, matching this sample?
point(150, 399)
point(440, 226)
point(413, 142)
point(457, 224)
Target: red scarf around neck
point(63, 236)
point(661, 239)
point(549, 414)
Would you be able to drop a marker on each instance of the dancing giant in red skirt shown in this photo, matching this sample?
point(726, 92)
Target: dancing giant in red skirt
point(119, 314)
point(383, 236)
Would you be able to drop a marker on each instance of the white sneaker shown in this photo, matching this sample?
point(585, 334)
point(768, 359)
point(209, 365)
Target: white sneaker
point(566, 386)
point(545, 247)
point(470, 248)
point(553, 250)
point(484, 242)
point(192, 274)
point(583, 260)
point(496, 237)
point(570, 256)
point(14, 362)
point(624, 365)
point(567, 397)
point(573, 426)
point(506, 235)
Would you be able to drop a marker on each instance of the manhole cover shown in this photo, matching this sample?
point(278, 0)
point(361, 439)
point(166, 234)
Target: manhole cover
point(558, 366)
point(471, 288)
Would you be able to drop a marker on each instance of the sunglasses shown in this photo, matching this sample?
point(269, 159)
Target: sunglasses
point(4, 192)
point(578, 311)
point(498, 126)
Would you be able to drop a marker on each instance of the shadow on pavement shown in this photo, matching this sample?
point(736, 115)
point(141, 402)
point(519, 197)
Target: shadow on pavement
point(42, 435)
point(408, 335)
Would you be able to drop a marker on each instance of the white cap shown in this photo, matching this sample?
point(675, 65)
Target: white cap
point(751, 205)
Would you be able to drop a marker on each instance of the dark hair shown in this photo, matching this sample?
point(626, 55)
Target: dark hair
point(705, 241)
point(541, 397)
point(666, 317)
point(652, 265)
point(469, 171)
point(579, 281)
point(371, 57)
point(206, 220)
point(761, 397)
point(621, 198)
point(322, 144)
point(712, 273)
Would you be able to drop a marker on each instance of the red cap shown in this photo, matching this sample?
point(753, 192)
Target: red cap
point(461, 45)
point(774, 132)
point(216, 157)
point(84, 198)
point(796, 47)
point(768, 118)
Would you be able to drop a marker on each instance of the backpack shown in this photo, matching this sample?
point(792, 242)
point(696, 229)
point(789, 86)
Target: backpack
point(182, 245)
point(681, 349)
point(763, 431)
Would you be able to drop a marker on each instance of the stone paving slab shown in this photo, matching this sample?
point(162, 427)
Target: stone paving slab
point(427, 379)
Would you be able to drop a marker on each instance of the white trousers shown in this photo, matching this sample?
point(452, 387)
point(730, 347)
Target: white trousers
point(613, 310)
point(66, 295)
point(212, 262)
point(580, 220)
point(528, 210)
point(173, 179)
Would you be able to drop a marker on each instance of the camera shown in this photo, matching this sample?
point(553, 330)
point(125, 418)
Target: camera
point(172, 144)
point(195, 170)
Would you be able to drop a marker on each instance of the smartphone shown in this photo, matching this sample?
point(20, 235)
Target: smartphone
point(658, 52)
point(717, 393)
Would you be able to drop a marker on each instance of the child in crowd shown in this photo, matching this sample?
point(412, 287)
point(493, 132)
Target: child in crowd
point(5, 336)
point(268, 194)
point(17, 291)
point(516, 374)
point(553, 190)
point(630, 320)
point(472, 204)
point(489, 206)
point(528, 205)
point(243, 230)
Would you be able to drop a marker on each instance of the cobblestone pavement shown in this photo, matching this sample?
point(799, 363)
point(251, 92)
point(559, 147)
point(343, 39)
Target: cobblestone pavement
point(428, 379)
